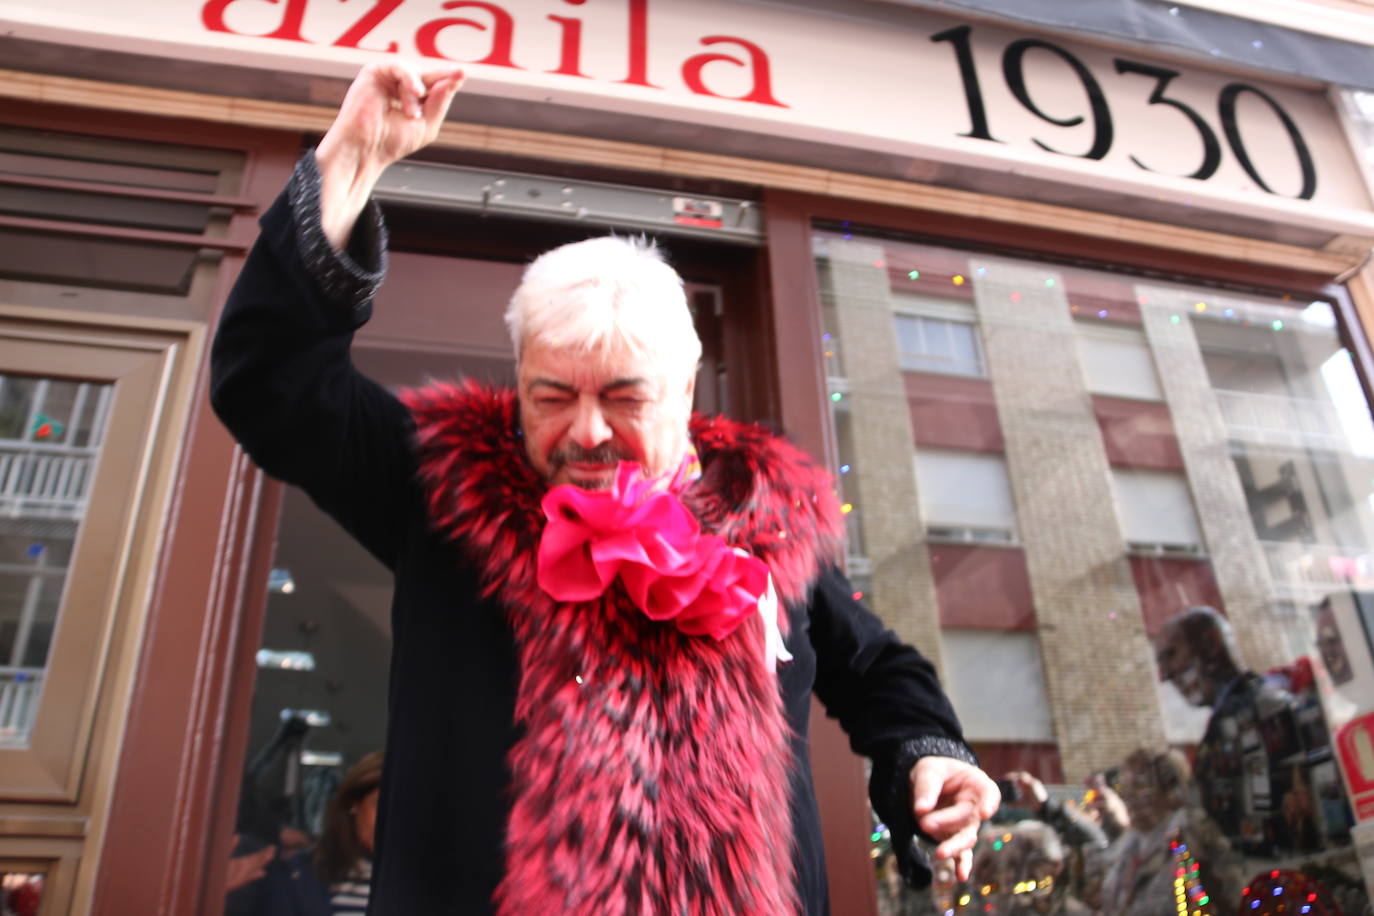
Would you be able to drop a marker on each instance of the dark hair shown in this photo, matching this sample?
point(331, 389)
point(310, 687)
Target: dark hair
point(340, 847)
point(1167, 768)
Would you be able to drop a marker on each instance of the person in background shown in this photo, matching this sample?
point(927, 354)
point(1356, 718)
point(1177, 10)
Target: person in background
point(1020, 870)
point(334, 878)
point(1073, 826)
point(1168, 834)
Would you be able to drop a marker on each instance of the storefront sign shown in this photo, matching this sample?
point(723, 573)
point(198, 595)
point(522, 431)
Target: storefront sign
point(1355, 743)
point(885, 80)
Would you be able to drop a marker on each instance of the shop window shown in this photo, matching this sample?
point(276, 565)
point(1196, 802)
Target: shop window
point(935, 336)
point(1157, 513)
point(50, 436)
point(1117, 361)
point(1224, 439)
point(998, 682)
point(81, 479)
point(965, 496)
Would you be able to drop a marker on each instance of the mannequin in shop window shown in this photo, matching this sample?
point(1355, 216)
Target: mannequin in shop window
point(1249, 767)
point(610, 616)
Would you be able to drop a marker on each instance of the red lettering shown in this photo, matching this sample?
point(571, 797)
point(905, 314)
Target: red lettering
point(212, 17)
point(364, 26)
point(503, 33)
point(639, 45)
point(758, 64)
point(570, 54)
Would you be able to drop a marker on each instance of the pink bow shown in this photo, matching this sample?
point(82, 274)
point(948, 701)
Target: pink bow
point(645, 535)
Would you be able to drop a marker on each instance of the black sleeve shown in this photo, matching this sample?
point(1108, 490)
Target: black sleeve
point(282, 379)
point(888, 700)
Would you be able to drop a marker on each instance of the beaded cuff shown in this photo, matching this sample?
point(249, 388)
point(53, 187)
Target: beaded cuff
point(352, 275)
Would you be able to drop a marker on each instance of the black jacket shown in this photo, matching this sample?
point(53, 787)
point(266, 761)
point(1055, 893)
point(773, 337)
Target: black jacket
point(284, 384)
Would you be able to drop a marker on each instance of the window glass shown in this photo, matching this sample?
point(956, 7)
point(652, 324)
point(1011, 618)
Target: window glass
point(1117, 361)
point(21, 890)
point(1127, 449)
point(1156, 510)
point(937, 336)
point(996, 678)
point(50, 435)
point(964, 490)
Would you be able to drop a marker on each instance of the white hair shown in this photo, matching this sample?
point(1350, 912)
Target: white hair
point(605, 293)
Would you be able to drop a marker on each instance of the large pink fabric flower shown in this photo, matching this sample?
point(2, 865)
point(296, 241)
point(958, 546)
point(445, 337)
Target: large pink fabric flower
point(642, 533)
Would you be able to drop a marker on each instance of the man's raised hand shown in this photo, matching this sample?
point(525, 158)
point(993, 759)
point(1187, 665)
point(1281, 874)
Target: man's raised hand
point(390, 111)
point(950, 798)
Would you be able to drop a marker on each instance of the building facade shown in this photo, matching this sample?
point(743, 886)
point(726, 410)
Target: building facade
point(1078, 315)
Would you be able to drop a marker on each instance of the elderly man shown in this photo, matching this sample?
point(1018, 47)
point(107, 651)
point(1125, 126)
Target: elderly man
point(609, 617)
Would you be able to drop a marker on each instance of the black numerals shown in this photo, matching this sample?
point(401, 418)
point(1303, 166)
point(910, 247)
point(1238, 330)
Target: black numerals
point(1014, 74)
point(1211, 147)
point(968, 74)
point(1226, 105)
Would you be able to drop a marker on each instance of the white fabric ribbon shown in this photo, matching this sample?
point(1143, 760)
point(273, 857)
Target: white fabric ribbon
point(774, 649)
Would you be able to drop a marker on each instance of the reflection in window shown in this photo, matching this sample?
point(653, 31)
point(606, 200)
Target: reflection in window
point(1094, 456)
point(21, 892)
point(997, 679)
point(965, 496)
point(1117, 361)
point(934, 336)
point(50, 434)
point(1156, 512)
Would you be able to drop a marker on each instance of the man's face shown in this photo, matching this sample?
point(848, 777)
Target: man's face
point(583, 413)
point(1180, 664)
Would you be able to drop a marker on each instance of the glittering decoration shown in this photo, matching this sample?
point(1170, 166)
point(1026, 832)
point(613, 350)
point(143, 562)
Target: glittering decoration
point(958, 280)
point(1282, 892)
point(847, 508)
point(1277, 325)
point(913, 275)
point(1174, 319)
point(1190, 897)
point(1201, 307)
point(858, 596)
point(836, 397)
point(1102, 313)
point(1049, 281)
point(34, 551)
point(1015, 297)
